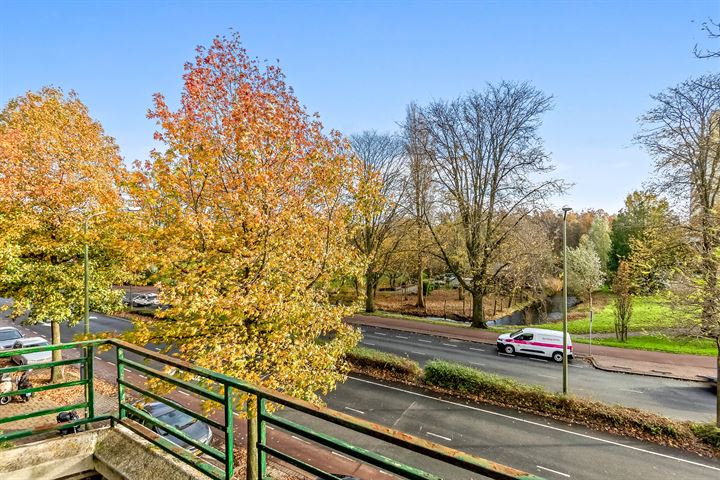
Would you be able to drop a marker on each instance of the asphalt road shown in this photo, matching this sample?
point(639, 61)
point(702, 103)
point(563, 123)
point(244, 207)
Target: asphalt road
point(683, 400)
point(549, 449)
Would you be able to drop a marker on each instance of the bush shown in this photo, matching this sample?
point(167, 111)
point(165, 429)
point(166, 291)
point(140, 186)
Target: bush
point(465, 379)
point(428, 287)
point(707, 432)
point(363, 357)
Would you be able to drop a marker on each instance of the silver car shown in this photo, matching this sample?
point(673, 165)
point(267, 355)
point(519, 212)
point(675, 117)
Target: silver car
point(8, 336)
point(32, 358)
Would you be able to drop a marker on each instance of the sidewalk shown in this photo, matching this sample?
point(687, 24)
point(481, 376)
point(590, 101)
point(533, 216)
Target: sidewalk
point(625, 360)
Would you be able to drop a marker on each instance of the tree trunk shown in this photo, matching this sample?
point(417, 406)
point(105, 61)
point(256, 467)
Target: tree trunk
point(420, 293)
point(478, 315)
point(369, 291)
point(56, 373)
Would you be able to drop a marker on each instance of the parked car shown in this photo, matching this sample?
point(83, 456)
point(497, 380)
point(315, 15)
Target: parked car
point(535, 341)
point(8, 336)
point(146, 300)
point(31, 358)
point(190, 426)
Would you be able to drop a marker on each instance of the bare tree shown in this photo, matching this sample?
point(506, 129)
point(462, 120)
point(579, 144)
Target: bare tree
point(489, 163)
point(382, 185)
point(419, 188)
point(682, 133)
point(713, 32)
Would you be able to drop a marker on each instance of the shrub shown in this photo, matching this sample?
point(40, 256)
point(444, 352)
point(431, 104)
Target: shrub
point(707, 432)
point(363, 357)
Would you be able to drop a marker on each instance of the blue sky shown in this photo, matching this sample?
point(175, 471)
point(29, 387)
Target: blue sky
point(359, 64)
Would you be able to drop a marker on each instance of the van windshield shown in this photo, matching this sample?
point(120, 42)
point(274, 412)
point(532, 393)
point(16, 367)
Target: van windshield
point(515, 334)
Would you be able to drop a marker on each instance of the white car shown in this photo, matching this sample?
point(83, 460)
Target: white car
point(32, 358)
point(535, 341)
point(8, 336)
point(146, 300)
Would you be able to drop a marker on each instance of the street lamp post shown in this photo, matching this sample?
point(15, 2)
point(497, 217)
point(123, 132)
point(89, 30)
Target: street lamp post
point(565, 209)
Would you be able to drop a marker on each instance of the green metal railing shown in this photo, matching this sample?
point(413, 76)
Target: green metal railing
point(219, 464)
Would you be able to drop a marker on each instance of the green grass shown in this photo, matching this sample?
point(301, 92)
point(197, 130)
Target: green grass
point(660, 343)
point(649, 313)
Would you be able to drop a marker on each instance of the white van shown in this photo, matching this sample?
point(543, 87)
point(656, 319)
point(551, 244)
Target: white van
point(535, 341)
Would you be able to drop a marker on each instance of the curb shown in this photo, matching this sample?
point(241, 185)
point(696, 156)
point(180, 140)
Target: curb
point(588, 358)
point(597, 366)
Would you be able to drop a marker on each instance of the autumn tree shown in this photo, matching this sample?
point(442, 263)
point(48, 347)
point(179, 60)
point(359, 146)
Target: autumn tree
point(250, 214)
point(599, 236)
point(585, 273)
point(58, 169)
point(490, 166)
point(419, 195)
point(380, 188)
point(623, 304)
point(682, 134)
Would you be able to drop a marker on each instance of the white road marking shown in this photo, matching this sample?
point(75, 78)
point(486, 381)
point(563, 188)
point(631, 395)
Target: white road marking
point(546, 376)
point(371, 344)
point(424, 341)
point(506, 354)
point(184, 393)
point(143, 376)
point(400, 336)
point(98, 357)
point(439, 436)
point(575, 366)
point(269, 427)
point(417, 353)
point(553, 471)
point(476, 363)
point(111, 363)
point(450, 345)
point(630, 390)
point(378, 333)
point(477, 349)
point(542, 425)
point(128, 370)
point(355, 410)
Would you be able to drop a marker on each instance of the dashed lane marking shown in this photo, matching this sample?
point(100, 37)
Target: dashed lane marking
point(553, 471)
point(355, 410)
point(477, 349)
point(424, 341)
point(542, 425)
point(400, 336)
point(439, 436)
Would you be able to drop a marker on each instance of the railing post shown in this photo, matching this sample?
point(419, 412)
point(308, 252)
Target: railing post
point(120, 376)
point(262, 460)
point(89, 369)
point(229, 432)
point(253, 468)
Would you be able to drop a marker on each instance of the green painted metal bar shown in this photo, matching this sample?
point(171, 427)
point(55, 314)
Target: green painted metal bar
point(175, 362)
point(119, 356)
point(52, 386)
point(90, 388)
point(372, 458)
point(207, 449)
point(175, 381)
point(40, 366)
point(262, 437)
point(49, 428)
point(49, 348)
point(229, 431)
point(40, 413)
point(305, 467)
point(178, 452)
point(173, 404)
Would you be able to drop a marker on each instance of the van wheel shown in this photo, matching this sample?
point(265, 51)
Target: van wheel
point(509, 349)
point(558, 357)
point(4, 400)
